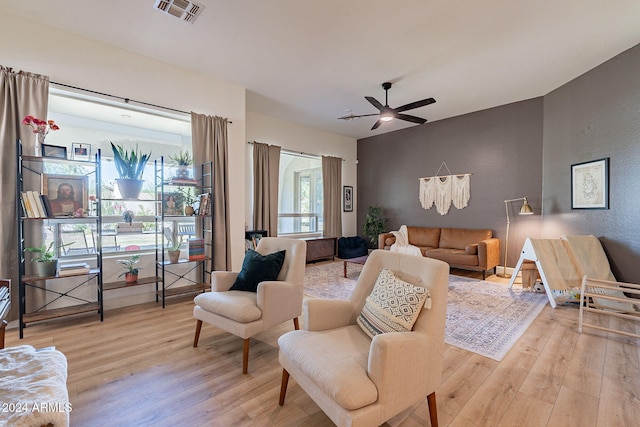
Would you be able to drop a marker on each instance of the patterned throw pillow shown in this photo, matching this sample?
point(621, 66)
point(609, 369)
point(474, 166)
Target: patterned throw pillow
point(393, 306)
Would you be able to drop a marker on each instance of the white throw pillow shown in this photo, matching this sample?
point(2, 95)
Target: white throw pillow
point(393, 306)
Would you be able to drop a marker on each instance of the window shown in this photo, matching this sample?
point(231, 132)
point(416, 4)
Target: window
point(300, 195)
point(95, 123)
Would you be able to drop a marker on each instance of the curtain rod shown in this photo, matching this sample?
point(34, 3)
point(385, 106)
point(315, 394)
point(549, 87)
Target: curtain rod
point(126, 100)
point(302, 153)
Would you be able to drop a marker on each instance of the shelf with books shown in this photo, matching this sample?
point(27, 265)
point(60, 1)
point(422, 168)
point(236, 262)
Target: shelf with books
point(55, 198)
point(193, 234)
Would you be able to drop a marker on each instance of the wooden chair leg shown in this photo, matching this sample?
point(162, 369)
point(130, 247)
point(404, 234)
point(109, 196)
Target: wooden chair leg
point(296, 325)
point(245, 356)
point(198, 327)
point(283, 386)
point(433, 412)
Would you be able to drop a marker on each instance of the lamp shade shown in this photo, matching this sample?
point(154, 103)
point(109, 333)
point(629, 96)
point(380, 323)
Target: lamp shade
point(526, 209)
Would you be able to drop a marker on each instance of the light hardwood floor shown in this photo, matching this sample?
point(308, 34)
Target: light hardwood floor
point(138, 368)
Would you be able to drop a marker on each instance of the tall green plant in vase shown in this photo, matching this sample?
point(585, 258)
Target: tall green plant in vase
point(374, 225)
point(130, 166)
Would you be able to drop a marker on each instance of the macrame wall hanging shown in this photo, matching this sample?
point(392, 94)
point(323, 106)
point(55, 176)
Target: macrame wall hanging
point(442, 190)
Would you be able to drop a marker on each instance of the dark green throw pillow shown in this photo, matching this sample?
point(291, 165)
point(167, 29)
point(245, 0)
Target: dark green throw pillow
point(258, 268)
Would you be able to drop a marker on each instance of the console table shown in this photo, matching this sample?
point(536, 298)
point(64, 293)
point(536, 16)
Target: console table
point(320, 248)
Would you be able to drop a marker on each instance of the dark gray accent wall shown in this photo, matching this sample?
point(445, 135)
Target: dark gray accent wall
point(594, 116)
point(501, 147)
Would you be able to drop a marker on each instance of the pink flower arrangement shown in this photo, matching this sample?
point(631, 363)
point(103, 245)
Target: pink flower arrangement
point(41, 127)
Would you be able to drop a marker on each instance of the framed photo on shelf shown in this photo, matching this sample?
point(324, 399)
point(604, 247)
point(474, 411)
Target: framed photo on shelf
point(590, 185)
point(66, 193)
point(54, 151)
point(172, 204)
point(80, 151)
point(347, 198)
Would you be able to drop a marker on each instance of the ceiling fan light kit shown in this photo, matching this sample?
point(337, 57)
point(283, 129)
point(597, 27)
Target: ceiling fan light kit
point(387, 113)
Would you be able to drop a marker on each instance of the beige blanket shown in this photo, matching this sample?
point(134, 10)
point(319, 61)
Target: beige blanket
point(33, 389)
point(558, 268)
point(588, 256)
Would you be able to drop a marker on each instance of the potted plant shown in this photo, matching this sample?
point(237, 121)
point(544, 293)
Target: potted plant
point(374, 224)
point(183, 160)
point(46, 261)
point(188, 198)
point(131, 273)
point(174, 252)
point(130, 166)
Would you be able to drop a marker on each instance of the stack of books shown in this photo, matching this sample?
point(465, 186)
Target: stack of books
point(196, 249)
point(34, 205)
point(73, 268)
point(205, 204)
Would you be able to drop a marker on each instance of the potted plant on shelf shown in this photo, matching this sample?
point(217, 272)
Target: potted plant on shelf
point(130, 166)
point(374, 224)
point(188, 198)
point(46, 261)
point(174, 252)
point(131, 273)
point(183, 160)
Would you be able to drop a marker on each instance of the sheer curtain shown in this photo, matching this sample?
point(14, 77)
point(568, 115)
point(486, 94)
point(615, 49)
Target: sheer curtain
point(332, 196)
point(21, 94)
point(210, 143)
point(266, 170)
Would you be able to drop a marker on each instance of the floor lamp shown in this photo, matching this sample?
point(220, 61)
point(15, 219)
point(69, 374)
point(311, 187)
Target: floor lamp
point(524, 210)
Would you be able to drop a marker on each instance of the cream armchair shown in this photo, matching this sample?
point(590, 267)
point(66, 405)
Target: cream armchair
point(245, 314)
point(359, 381)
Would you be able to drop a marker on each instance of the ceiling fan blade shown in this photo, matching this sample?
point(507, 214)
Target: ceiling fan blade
point(376, 125)
point(374, 102)
point(409, 118)
point(416, 104)
point(354, 116)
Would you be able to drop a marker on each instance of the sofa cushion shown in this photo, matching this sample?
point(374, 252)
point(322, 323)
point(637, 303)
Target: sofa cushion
point(393, 305)
point(423, 236)
point(258, 268)
point(340, 369)
point(235, 305)
point(471, 249)
point(459, 238)
point(453, 256)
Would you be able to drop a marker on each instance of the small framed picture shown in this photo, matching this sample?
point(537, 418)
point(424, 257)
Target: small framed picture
point(172, 204)
point(54, 151)
point(590, 185)
point(81, 151)
point(347, 198)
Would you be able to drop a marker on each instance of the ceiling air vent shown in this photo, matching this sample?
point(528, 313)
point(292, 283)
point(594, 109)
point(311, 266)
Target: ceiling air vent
point(186, 10)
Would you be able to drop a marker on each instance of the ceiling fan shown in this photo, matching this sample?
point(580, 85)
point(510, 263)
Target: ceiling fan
point(387, 113)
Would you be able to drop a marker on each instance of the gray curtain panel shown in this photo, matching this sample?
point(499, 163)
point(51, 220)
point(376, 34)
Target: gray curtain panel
point(210, 143)
point(332, 197)
point(266, 170)
point(21, 94)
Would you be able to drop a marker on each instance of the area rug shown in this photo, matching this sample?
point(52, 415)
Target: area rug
point(482, 317)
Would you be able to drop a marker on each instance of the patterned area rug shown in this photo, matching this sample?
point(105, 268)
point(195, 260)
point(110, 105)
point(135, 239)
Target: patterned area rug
point(482, 317)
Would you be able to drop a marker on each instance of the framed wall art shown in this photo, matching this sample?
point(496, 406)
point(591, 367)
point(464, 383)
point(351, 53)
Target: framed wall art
point(66, 193)
point(347, 198)
point(54, 151)
point(590, 185)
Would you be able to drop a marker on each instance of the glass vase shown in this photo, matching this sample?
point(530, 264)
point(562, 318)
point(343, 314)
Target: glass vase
point(38, 145)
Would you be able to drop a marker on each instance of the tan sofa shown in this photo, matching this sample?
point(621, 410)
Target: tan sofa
point(471, 249)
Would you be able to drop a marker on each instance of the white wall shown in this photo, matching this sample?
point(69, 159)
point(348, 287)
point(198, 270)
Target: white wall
point(269, 130)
